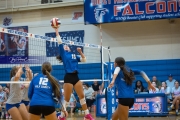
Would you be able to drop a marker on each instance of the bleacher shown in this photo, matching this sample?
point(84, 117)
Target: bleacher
point(160, 68)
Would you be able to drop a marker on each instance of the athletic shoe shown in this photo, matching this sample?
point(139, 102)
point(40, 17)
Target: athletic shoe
point(10, 117)
point(7, 116)
point(60, 118)
point(88, 117)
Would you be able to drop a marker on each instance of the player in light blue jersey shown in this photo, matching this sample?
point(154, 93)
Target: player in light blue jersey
point(71, 79)
point(123, 78)
point(42, 90)
point(25, 98)
point(14, 106)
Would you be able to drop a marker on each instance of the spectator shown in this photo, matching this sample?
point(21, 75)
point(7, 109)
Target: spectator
point(176, 97)
point(89, 95)
point(3, 100)
point(158, 83)
point(170, 82)
point(6, 90)
point(166, 90)
point(139, 87)
point(96, 87)
point(157, 90)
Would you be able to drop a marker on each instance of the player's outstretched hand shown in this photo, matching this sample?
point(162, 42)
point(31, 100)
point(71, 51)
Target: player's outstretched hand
point(79, 49)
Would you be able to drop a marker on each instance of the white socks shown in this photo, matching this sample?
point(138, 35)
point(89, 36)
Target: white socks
point(86, 111)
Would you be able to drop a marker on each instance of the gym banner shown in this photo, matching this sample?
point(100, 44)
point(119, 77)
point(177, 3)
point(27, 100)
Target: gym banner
point(74, 36)
point(109, 11)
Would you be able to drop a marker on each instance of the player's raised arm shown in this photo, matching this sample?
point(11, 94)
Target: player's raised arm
point(83, 57)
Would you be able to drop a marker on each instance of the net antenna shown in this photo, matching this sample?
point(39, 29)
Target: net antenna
point(104, 64)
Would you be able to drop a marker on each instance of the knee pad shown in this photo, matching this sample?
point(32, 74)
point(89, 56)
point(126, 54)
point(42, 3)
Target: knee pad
point(82, 101)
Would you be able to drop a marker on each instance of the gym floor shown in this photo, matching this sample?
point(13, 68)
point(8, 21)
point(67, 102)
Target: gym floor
point(171, 116)
point(80, 117)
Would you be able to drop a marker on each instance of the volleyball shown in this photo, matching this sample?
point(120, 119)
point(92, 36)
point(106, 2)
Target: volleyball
point(55, 22)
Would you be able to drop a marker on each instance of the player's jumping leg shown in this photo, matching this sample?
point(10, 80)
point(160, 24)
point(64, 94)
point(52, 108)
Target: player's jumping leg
point(79, 90)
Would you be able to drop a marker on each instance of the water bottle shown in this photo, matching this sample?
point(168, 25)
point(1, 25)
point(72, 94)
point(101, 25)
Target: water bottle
point(79, 111)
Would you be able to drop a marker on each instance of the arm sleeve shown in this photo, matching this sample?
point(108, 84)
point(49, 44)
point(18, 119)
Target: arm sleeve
point(31, 90)
point(117, 70)
point(61, 50)
point(136, 71)
point(78, 58)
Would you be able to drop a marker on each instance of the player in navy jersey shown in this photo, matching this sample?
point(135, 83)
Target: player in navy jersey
point(123, 78)
point(41, 91)
point(71, 79)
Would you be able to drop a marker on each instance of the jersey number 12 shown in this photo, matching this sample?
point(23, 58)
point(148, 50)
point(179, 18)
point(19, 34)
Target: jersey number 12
point(43, 81)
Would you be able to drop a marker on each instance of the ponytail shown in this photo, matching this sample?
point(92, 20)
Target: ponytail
point(59, 58)
point(55, 85)
point(128, 75)
point(13, 72)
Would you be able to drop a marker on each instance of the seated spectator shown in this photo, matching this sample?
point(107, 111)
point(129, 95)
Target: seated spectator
point(6, 115)
point(3, 100)
point(157, 90)
point(170, 82)
point(139, 87)
point(176, 97)
point(89, 95)
point(165, 89)
point(158, 83)
point(96, 87)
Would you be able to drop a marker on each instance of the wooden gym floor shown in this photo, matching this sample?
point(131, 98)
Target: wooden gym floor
point(80, 117)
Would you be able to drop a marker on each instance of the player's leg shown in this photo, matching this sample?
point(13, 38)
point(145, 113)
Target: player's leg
point(15, 114)
point(115, 115)
point(80, 92)
point(49, 112)
point(23, 111)
point(123, 107)
point(123, 112)
point(35, 112)
point(52, 116)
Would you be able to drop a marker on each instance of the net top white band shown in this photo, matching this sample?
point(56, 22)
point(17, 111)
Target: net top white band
point(61, 81)
point(30, 35)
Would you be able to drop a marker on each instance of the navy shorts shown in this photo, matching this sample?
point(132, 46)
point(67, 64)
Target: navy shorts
point(71, 78)
point(26, 103)
point(9, 106)
point(39, 109)
point(126, 101)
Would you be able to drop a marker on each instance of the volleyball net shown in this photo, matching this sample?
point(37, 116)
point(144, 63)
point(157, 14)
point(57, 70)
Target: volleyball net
point(19, 47)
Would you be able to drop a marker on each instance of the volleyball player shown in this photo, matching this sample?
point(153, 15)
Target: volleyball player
point(123, 78)
point(25, 98)
point(14, 106)
point(71, 79)
point(42, 90)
